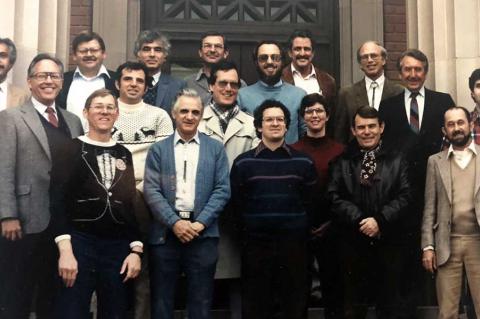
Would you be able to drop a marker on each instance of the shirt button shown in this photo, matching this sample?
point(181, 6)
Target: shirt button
point(109, 194)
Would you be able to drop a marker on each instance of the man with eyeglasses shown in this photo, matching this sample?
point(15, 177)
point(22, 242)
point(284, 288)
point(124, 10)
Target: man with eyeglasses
point(152, 49)
point(138, 126)
point(272, 195)
point(224, 121)
point(186, 188)
point(88, 52)
point(213, 48)
point(10, 95)
point(370, 90)
point(34, 150)
point(268, 58)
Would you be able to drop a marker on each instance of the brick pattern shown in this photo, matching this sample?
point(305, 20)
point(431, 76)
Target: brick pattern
point(395, 33)
point(80, 20)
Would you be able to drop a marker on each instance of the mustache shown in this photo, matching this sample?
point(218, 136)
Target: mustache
point(269, 65)
point(302, 57)
point(89, 58)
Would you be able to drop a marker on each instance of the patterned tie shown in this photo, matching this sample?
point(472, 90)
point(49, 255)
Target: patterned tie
point(151, 95)
point(374, 85)
point(51, 116)
point(414, 119)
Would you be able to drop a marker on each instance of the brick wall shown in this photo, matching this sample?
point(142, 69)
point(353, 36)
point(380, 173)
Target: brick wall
point(395, 33)
point(80, 20)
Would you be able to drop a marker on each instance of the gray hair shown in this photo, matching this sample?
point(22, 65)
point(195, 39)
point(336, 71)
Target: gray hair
point(40, 57)
point(186, 93)
point(12, 50)
point(148, 36)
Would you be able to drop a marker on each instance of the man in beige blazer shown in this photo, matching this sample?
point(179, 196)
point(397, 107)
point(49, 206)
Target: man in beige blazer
point(451, 217)
point(10, 95)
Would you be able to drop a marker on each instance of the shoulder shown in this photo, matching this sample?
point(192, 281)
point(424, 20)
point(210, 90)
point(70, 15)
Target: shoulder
point(352, 87)
point(292, 89)
point(439, 96)
point(168, 79)
point(209, 141)
point(324, 75)
point(155, 111)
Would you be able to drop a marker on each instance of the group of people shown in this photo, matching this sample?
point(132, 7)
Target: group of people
point(136, 176)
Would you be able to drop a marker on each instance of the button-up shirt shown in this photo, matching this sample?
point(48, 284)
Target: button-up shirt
point(462, 158)
point(308, 83)
point(3, 95)
point(42, 108)
point(186, 160)
point(420, 101)
point(378, 90)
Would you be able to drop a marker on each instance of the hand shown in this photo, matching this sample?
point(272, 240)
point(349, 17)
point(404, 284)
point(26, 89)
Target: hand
point(429, 260)
point(67, 268)
point(321, 230)
point(184, 231)
point(198, 227)
point(369, 227)
point(132, 265)
point(11, 229)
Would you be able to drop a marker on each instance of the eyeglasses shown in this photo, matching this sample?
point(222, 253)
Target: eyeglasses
point(155, 49)
point(233, 85)
point(103, 108)
point(372, 56)
point(215, 46)
point(91, 50)
point(311, 111)
point(43, 76)
point(272, 119)
point(262, 58)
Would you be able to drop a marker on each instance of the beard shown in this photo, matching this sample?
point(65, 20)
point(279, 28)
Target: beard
point(270, 79)
point(459, 141)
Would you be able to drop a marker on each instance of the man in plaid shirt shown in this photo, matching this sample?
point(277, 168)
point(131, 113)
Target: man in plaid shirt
point(474, 85)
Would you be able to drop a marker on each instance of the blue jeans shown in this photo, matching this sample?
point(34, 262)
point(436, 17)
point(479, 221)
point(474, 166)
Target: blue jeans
point(99, 263)
point(197, 260)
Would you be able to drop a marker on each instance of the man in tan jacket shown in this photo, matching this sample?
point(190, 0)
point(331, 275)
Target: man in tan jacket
point(10, 95)
point(451, 218)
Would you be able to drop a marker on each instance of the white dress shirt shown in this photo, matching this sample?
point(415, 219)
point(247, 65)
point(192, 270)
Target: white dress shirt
point(462, 158)
point(308, 83)
point(80, 90)
point(155, 78)
point(3, 95)
point(186, 160)
point(378, 90)
point(42, 109)
point(420, 101)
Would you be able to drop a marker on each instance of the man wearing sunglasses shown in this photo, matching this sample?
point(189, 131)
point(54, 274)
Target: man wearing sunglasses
point(88, 52)
point(268, 58)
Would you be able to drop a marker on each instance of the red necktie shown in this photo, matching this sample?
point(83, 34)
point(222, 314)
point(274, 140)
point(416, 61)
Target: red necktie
point(51, 116)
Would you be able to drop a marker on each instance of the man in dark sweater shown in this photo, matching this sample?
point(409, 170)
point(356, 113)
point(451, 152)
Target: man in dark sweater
point(315, 111)
point(272, 186)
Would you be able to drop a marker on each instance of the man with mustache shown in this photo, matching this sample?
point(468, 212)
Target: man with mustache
point(138, 126)
point(413, 122)
point(451, 229)
point(302, 73)
point(88, 50)
point(370, 90)
point(213, 48)
point(152, 49)
point(10, 95)
point(268, 58)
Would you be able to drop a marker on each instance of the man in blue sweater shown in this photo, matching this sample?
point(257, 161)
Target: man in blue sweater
point(272, 186)
point(268, 58)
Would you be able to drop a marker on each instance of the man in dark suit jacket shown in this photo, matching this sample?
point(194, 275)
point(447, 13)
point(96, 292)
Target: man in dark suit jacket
point(371, 57)
point(88, 50)
point(152, 49)
point(413, 122)
point(33, 152)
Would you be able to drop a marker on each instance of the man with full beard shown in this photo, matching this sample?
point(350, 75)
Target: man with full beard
point(268, 58)
point(88, 51)
point(450, 228)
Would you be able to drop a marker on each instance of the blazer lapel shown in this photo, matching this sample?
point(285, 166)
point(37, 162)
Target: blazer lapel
point(162, 90)
point(361, 97)
point(445, 173)
point(31, 118)
point(233, 127)
point(477, 170)
point(212, 123)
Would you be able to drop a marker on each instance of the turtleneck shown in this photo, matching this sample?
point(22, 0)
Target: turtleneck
point(315, 141)
point(130, 108)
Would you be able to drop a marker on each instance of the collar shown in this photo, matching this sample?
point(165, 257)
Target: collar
point(177, 138)
point(261, 147)
point(101, 71)
point(88, 140)
point(40, 107)
point(129, 108)
point(311, 75)
point(278, 84)
point(470, 147)
point(3, 86)
point(380, 80)
point(156, 77)
point(421, 92)
point(200, 74)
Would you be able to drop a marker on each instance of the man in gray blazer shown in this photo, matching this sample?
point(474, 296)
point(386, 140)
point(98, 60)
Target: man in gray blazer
point(372, 89)
point(34, 142)
point(451, 218)
point(186, 186)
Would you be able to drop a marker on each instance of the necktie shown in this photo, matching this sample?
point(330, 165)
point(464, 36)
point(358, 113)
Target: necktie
point(374, 85)
point(414, 119)
point(51, 116)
